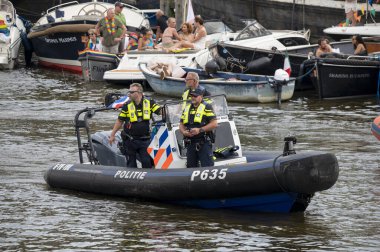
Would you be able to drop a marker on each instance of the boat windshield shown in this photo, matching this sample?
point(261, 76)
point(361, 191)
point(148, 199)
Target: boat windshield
point(173, 111)
point(253, 30)
point(213, 27)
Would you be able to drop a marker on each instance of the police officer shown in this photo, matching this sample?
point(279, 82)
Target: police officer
point(198, 120)
point(135, 115)
point(192, 82)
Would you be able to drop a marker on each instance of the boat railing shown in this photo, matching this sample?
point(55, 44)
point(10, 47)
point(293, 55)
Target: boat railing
point(358, 57)
point(61, 5)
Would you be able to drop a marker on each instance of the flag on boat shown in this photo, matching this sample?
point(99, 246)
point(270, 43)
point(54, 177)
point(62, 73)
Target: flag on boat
point(287, 66)
point(119, 103)
point(190, 13)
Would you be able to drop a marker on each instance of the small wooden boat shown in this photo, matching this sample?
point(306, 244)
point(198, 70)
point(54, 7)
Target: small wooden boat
point(265, 181)
point(237, 87)
point(375, 127)
point(95, 64)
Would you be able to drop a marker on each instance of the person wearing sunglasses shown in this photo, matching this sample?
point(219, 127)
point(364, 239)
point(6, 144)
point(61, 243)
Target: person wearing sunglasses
point(146, 41)
point(93, 42)
point(135, 118)
point(192, 82)
point(197, 123)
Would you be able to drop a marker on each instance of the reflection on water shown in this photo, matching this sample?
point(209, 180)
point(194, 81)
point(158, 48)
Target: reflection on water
point(37, 109)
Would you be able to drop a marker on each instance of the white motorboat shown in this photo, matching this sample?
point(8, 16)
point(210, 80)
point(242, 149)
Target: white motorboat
point(59, 35)
point(11, 28)
point(128, 68)
point(343, 32)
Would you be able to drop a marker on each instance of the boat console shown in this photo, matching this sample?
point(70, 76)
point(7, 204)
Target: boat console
point(167, 147)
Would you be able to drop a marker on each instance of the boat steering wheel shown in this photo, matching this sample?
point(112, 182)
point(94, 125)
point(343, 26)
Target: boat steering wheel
point(93, 9)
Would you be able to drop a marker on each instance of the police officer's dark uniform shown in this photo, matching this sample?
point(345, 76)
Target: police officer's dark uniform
point(136, 131)
point(199, 147)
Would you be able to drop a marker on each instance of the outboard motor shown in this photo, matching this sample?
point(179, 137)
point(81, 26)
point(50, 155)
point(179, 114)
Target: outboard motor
point(258, 64)
point(290, 141)
point(211, 67)
point(281, 77)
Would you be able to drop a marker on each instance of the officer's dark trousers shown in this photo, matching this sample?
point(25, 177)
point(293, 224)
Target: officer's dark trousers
point(137, 146)
point(203, 155)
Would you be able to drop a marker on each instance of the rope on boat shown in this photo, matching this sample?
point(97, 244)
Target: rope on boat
point(274, 172)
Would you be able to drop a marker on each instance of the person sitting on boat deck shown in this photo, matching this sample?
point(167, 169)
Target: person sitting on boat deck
point(192, 83)
point(197, 123)
point(146, 41)
point(186, 33)
point(199, 40)
point(170, 35)
point(93, 42)
point(121, 17)
point(135, 115)
point(324, 47)
point(359, 46)
point(107, 27)
point(350, 8)
point(162, 24)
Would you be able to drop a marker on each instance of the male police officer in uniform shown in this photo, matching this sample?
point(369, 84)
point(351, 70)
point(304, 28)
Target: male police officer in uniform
point(198, 120)
point(135, 115)
point(192, 82)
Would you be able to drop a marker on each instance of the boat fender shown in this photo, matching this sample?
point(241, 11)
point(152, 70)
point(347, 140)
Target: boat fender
point(221, 63)
point(258, 64)
point(26, 42)
point(211, 67)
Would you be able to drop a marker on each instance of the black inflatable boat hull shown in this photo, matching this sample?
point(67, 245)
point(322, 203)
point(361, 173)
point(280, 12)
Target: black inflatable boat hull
point(267, 182)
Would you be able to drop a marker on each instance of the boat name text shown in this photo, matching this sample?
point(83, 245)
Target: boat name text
point(209, 174)
point(349, 76)
point(60, 40)
point(130, 174)
point(62, 167)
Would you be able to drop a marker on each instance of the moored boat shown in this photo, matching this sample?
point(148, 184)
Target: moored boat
point(95, 64)
point(250, 59)
point(347, 76)
point(258, 181)
point(12, 30)
point(60, 34)
point(128, 69)
point(237, 87)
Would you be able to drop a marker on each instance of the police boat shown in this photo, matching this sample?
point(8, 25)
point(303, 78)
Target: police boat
point(256, 181)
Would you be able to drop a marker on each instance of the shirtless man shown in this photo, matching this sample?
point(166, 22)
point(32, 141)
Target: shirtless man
point(324, 47)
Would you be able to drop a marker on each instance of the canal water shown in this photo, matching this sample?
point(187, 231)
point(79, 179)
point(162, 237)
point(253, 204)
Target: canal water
point(36, 131)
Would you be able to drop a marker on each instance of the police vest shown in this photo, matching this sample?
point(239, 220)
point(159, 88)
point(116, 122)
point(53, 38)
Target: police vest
point(198, 115)
point(145, 113)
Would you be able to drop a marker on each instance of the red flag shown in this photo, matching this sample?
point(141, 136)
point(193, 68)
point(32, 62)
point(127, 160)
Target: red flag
point(287, 66)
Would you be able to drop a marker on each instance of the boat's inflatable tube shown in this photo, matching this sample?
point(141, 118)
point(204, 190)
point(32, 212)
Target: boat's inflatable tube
point(375, 127)
point(299, 173)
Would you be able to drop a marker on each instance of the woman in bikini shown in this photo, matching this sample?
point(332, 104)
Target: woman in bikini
point(187, 32)
point(146, 42)
point(170, 34)
point(199, 40)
